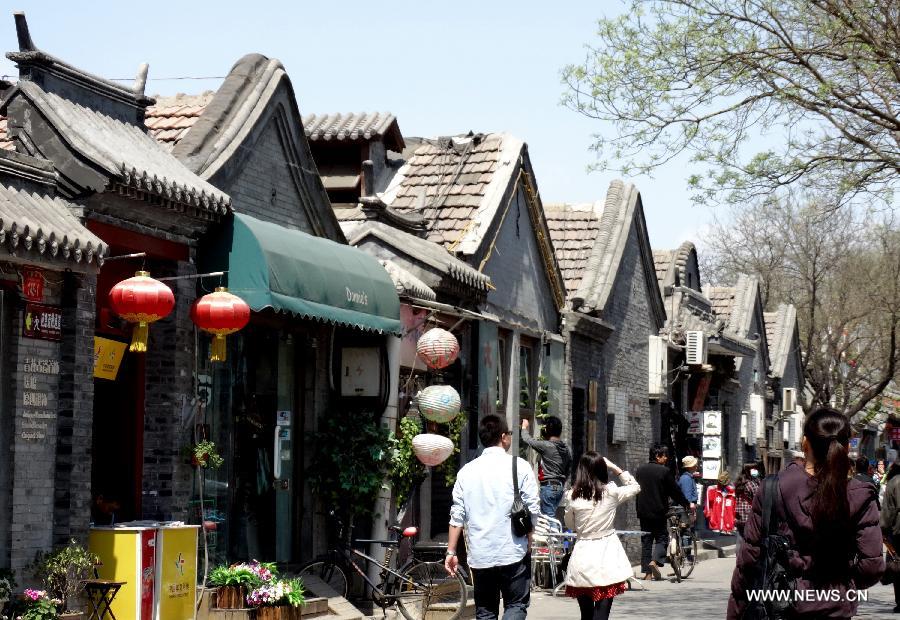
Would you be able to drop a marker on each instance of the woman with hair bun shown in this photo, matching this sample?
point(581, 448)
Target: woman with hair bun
point(830, 523)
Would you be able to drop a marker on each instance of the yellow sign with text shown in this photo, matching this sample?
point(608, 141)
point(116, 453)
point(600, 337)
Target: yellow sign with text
point(107, 357)
point(177, 573)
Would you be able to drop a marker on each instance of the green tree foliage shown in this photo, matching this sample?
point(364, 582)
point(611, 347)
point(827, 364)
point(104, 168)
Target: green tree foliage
point(819, 79)
point(406, 470)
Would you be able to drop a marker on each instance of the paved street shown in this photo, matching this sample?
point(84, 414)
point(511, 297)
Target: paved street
point(704, 595)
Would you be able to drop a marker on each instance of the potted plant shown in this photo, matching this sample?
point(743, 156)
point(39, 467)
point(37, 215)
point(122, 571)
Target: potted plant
point(280, 599)
point(36, 605)
point(235, 581)
point(205, 454)
point(7, 585)
point(62, 571)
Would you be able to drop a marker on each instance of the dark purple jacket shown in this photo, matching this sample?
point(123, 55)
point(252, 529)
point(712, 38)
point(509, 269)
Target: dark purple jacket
point(863, 570)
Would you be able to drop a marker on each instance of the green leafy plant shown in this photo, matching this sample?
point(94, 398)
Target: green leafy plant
point(450, 467)
point(351, 460)
point(247, 574)
point(35, 605)
point(63, 570)
point(205, 454)
point(406, 470)
point(7, 583)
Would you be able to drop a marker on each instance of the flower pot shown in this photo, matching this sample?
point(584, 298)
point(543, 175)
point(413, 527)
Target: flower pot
point(231, 597)
point(278, 612)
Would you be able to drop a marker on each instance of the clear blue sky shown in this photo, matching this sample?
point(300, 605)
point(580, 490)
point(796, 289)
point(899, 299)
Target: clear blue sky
point(441, 68)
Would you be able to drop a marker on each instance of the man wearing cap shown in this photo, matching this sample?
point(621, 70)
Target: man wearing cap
point(686, 480)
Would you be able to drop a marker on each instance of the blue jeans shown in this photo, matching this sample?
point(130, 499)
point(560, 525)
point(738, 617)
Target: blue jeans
point(551, 495)
point(512, 582)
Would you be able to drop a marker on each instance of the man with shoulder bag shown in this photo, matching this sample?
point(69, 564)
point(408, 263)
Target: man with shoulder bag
point(496, 498)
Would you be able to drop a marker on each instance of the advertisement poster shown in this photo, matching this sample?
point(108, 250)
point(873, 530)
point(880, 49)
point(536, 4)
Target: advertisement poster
point(712, 447)
point(712, 422)
point(695, 420)
point(710, 469)
point(42, 322)
point(107, 357)
point(178, 573)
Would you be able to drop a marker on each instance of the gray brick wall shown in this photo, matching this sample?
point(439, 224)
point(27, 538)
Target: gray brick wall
point(167, 479)
point(264, 187)
point(72, 498)
point(34, 396)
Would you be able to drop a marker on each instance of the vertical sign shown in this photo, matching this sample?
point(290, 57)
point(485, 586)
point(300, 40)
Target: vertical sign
point(32, 284)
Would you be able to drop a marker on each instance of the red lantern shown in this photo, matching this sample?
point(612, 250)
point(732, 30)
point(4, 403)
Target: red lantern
point(220, 313)
point(141, 300)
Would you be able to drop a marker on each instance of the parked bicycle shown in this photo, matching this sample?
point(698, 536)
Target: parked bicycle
point(683, 545)
point(419, 589)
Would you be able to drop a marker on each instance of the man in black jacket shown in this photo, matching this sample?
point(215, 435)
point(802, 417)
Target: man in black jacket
point(657, 488)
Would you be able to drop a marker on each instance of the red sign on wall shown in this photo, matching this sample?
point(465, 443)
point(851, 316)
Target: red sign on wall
point(42, 322)
point(895, 434)
point(33, 284)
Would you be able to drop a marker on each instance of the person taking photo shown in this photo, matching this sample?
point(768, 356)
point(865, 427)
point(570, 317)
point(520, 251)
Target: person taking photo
point(555, 463)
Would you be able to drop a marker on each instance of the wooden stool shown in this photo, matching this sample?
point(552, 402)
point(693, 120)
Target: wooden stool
point(100, 595)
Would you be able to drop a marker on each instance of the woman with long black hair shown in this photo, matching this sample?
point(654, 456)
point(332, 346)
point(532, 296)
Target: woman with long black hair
point(599, 569)
point(829, 521)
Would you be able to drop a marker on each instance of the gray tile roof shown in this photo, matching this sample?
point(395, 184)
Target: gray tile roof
point(406, 283)
point(662, 260)
point(427, 252)
point(780, 327)
point(359, 127)
point(130, 156)
point(457, 184)
point(672, 264)
point(573, 229)
point(170, 118)
point(32, 219)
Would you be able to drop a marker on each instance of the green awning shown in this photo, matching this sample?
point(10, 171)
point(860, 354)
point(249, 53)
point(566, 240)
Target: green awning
point(270, 266)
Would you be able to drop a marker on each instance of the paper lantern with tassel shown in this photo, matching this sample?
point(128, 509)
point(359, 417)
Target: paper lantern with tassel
point(432, 449)
point(220, 313)
point(438, 348)
point(141, 300)
point(439, 403)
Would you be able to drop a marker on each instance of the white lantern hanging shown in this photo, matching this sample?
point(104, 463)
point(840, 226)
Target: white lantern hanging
point(432, 449)
point(439, 403)
point(438, 348)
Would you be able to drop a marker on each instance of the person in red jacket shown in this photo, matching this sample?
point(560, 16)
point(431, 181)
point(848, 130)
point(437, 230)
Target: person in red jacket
point(721, 503)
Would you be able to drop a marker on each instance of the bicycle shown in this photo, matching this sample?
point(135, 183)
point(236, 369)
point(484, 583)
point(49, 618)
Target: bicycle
point(419, 589)
point(683, 545)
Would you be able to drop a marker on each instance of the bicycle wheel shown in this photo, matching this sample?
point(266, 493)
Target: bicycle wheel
point(691, 557)
point(326, 572)
point(427, 591)
point(675, 554)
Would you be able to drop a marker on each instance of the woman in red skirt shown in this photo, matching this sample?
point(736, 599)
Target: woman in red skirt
point(598, 569)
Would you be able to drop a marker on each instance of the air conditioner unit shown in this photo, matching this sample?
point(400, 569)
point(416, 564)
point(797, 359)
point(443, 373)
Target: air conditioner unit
point(658, 357)
point(789, 400)
point(695, 349)
point(744, 416)
point(758, 407)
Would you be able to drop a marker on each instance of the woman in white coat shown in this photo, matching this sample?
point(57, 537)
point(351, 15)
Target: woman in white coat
point(598, 569)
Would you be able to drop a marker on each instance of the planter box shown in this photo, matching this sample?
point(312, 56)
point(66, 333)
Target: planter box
point(72, 615)
point(231, 597)
point(279, 612)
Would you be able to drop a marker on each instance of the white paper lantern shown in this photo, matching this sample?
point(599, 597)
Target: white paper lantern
point(438, 348)
point(439, 403)
point(432, 449)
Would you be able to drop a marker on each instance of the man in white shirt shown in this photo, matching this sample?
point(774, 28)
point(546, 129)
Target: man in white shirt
point(482, 502)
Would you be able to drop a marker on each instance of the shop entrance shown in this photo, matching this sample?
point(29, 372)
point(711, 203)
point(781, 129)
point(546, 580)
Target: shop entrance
point(256, 411)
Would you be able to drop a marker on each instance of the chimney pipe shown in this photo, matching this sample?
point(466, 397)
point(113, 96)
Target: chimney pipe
point(368, 178)
point(25, 42)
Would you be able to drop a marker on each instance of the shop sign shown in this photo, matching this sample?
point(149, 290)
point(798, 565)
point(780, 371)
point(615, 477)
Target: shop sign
point(694, 419)
point(32, 284)
point(854, 446)
point(710, 469)
point(108, 356)
point(42, 322)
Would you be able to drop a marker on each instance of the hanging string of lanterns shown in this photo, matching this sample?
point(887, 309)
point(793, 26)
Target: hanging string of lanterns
point(144, 300)
point(439, 403)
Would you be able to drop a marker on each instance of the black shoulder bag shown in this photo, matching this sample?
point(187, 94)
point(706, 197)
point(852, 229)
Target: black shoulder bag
point(773, 575)
point(520, 515)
